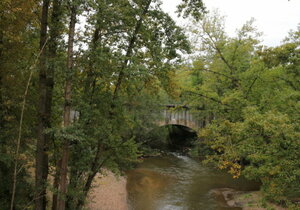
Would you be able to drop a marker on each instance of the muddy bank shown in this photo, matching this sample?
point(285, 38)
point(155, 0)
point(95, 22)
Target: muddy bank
point(109, 193)
point(228, 197)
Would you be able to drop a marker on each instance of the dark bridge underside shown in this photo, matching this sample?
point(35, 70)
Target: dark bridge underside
point(172, 137)
point(180, 137)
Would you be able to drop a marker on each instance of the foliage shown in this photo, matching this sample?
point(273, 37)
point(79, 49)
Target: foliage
point(194, 8)
point(114, 120)
point(18, 50)
point(249, 94)
point(124, 69)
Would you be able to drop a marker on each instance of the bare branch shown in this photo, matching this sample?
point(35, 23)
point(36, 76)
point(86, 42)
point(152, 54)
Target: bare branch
point(21, 126)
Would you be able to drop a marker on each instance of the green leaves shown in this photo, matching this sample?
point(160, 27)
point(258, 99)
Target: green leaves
point(193, 8)
point(252, 92)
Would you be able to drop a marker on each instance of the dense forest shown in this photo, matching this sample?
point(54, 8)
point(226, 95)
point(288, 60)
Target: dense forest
point(80, 81)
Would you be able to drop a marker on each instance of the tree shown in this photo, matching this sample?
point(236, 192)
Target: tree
point(42, 157)
point(252, 92)
point(124, 56)
point(132, 48)
point(18, 50)
point(63, 168)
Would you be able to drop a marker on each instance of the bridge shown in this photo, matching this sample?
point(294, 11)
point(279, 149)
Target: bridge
point(171, 115)
point(180, 115)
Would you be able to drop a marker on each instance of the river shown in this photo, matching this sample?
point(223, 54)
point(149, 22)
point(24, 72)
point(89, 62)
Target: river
point(177, 182)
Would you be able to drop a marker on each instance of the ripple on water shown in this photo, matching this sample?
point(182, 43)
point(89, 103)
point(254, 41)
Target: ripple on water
point(177, 182)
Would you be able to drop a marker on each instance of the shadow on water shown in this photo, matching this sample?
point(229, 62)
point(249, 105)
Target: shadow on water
point(172, 138)
point(177, 182)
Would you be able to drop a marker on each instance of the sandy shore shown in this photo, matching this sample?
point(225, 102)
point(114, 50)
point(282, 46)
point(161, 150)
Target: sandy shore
point(109, 193)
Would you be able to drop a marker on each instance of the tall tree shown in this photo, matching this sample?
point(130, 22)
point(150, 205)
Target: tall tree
point(41, 172)
point(55, 34)
point(254, 93)
point(63, 169)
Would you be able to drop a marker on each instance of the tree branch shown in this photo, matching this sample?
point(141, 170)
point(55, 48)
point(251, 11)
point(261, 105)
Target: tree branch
point(214, 45)
point(221, 74)
point(249, 89)
point(130, 48)
point(208, 97)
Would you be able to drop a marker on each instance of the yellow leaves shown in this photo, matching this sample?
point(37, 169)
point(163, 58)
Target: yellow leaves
point(220, 149)
point(232, 167)
point(9, 118)
point(17, 14)
point(275, 170)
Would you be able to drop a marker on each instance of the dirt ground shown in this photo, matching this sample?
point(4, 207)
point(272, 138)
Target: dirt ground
point(109, 193)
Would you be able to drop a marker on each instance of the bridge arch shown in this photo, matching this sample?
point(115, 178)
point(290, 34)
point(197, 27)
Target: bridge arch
point(179, 115)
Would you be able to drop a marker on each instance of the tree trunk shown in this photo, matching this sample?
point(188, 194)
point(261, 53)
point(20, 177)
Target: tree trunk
point(56, 185)
point(67, 110)
point(130, 49)
point(94, 170)
point(1, 91)
point(41, 172)
point(53, 46)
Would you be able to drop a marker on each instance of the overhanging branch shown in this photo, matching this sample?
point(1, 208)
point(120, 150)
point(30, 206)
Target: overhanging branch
point(208, 97)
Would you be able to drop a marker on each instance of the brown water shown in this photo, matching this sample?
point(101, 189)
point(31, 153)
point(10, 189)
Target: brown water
point(177, 182)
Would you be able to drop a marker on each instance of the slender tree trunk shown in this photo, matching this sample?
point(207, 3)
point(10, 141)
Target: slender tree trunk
point(89, 90)
point(41, 172)
point(53, 46)
point(56, 185)
point(130, 49)
point(74, 183)
point(67, 110)
point(94, 170)
point(54, 31)
point(91, 73)
point(1, 85)
point(2, 124)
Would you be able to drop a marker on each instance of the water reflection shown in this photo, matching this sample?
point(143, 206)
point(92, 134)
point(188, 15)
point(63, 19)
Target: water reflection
point(145, 187)
point(177, 182)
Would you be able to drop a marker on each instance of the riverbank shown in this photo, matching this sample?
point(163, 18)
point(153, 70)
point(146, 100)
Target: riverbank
point(227, 197)
point(109, 193)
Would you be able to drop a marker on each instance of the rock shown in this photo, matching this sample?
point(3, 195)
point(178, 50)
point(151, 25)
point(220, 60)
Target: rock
point(231, 203)
point(227, 197)
point(223, 196)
